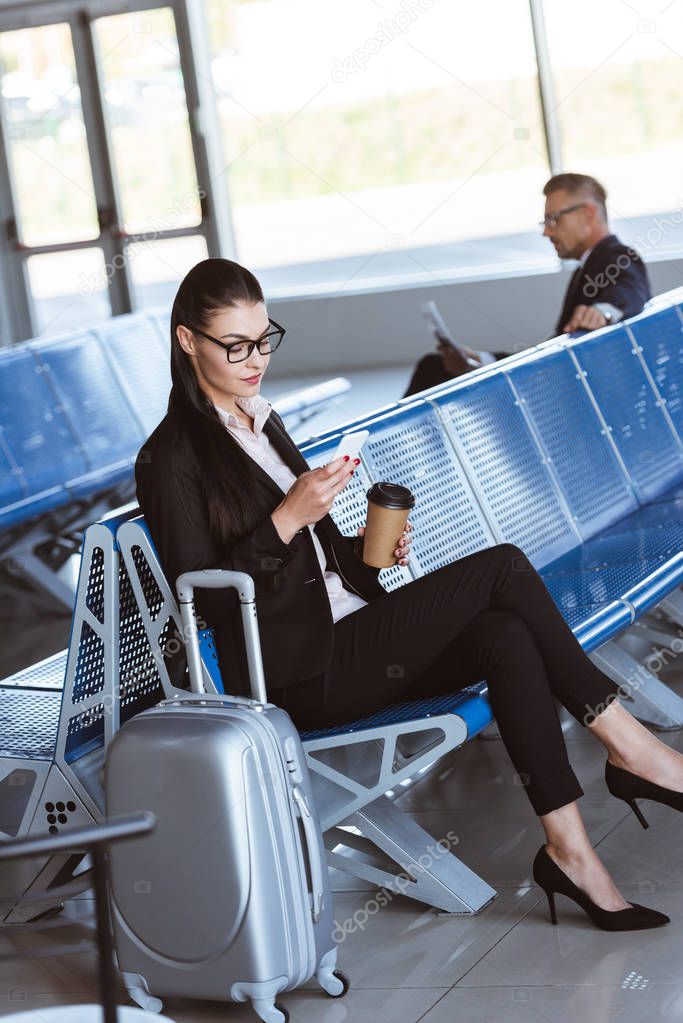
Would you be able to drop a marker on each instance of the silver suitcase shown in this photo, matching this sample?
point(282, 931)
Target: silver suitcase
point(229, 897)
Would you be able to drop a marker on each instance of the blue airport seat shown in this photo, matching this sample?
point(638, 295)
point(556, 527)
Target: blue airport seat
point(58, 716)
point(37, 441)
point(573, 440)
point(622, 542)
point(648, 592)
point(673, 495)
point(470, 704)
point(100, 415)
point(593, 624)
point(638, 546)
point(161, 321)
point(659, 337)
point(597, 588)
point(630, 407)
point(30, 721)
point(13, 498)
point(518, 495)
point(139, 361)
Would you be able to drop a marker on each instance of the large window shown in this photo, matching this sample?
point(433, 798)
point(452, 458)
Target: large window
point(147, 119)
point(353, 127)
point(351, 141)
point(104, 209)
point(46, 136)
point(618, 71)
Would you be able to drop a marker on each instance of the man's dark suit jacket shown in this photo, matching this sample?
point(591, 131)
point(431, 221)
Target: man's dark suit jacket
point(295, 620)
point(612, 273)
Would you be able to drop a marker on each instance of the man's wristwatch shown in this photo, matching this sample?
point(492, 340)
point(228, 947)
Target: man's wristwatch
point(609, 311)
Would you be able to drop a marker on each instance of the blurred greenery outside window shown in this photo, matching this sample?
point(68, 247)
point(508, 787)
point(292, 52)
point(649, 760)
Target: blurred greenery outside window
point(345, 125)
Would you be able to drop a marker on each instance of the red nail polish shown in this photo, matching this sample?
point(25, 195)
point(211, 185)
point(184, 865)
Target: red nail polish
point(356, 461)
point(346, 457)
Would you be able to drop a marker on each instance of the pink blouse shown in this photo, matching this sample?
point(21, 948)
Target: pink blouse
point(258, 446)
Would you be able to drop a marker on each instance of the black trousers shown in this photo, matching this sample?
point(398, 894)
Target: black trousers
point(485, 616)
point(430, 371)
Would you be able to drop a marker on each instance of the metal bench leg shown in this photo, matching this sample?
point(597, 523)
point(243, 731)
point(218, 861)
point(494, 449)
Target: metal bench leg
point(60, 584)
point(653, 640)
point(426, 870)
point(652, 631)
point(646, 697)
point(672, 606)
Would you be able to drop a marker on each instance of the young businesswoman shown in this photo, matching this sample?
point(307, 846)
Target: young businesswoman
point(223, 485)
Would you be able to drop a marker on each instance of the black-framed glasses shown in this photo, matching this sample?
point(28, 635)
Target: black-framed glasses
point(550, 219)
point(238, 351)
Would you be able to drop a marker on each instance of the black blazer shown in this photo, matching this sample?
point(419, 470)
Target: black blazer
point(612, 273)
point(295, 620)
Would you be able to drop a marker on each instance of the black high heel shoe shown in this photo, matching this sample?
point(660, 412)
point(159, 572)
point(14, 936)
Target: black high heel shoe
point(630, 787)
point(554, 881)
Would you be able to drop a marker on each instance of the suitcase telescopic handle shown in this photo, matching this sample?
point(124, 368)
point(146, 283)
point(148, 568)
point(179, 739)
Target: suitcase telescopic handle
point(218, 579)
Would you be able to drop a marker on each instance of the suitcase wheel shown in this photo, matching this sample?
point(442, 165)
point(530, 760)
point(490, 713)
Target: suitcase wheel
point(333, 982)
point(270, 1013)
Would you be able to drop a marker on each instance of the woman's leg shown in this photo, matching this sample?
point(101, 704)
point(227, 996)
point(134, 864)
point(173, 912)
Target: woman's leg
point(498, 646)
point(516, 586)
point(495, 645)
point(442, 632)
point(486, 616)
point(581, 687)
point(568, 844)
point(634, 748)
point(396, 637)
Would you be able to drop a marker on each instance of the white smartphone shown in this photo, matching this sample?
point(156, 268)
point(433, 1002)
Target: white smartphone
point(350, 444)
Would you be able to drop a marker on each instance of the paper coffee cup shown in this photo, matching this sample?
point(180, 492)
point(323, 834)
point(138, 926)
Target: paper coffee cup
point(389, 505)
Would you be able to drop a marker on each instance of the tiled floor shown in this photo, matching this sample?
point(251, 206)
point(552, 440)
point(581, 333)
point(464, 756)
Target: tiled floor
point(408, 963)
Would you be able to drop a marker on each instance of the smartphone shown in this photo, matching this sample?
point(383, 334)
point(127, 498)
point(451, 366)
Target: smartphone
point(431, 313)
point(350, 444)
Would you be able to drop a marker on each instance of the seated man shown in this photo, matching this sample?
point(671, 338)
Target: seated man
point(609, 284)
point(611, 281)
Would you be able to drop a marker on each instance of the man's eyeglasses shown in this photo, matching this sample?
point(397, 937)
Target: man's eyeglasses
point(238, 351)
point(551, 219)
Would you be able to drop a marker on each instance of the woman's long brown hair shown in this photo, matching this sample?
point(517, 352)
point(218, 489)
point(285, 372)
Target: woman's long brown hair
point(210, 286)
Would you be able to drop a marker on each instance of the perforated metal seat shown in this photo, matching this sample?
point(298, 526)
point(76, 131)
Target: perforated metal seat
point(632, 410)
point(29, 723)
point(659, 336)
point(644, 546)
point(109, 434)
point(39, 447)
point(470, 704)
point(57, 717)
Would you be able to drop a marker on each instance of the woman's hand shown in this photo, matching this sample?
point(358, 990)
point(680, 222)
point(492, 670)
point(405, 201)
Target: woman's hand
point(312, 494)
point(402, 551)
